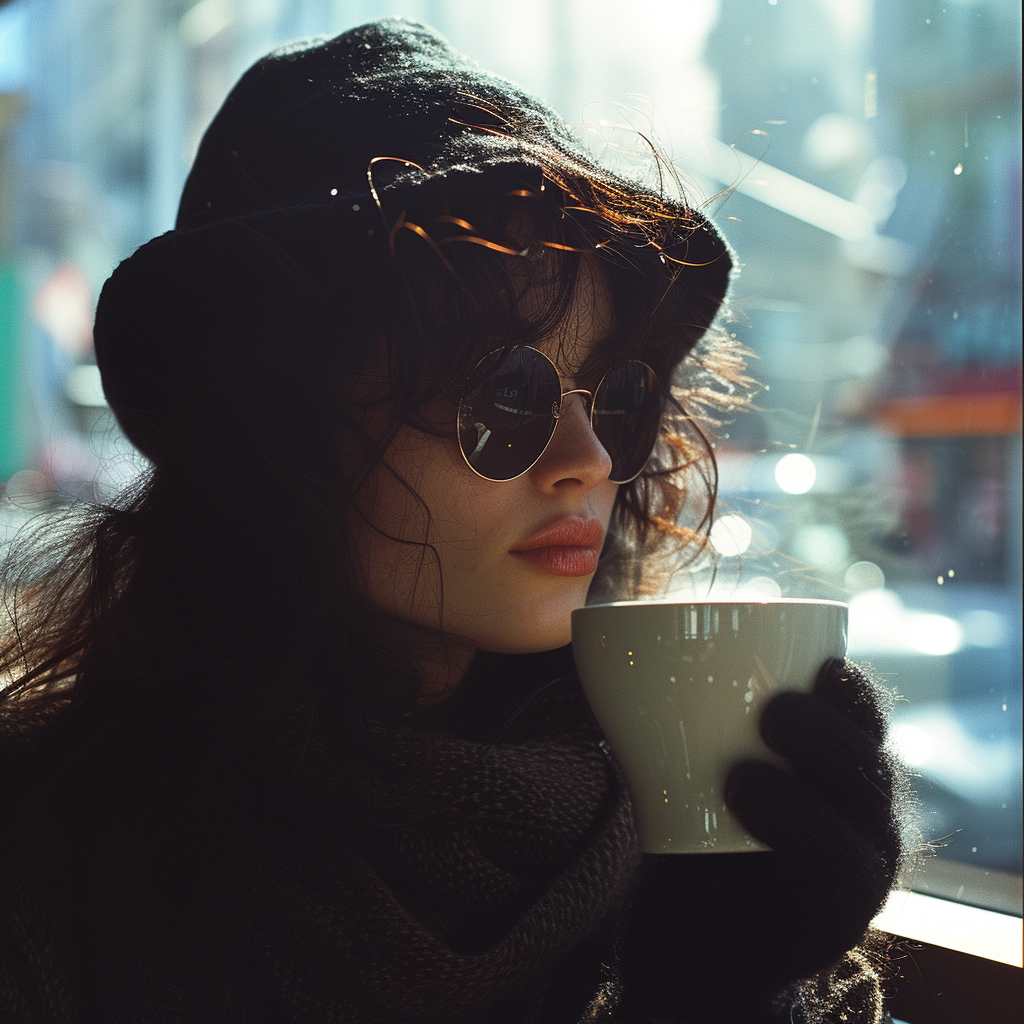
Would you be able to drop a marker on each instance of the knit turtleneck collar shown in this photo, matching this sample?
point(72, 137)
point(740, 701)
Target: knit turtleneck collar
point(495, 842)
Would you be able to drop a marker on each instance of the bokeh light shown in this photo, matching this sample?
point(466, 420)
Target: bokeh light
point(933, 634)
point(913, 743)
point(864, 576)
point(795, 473)
point(730, 534)
point(879, 622)
point(822, 545)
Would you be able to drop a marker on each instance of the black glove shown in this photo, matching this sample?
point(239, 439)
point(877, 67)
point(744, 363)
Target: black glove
point(716, 937)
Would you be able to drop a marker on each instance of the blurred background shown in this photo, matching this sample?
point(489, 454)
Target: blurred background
point(863, 157)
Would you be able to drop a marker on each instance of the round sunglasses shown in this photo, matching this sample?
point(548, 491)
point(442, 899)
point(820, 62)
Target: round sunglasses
point(513, 399)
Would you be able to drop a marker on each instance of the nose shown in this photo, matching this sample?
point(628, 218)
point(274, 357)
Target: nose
point(574, 456)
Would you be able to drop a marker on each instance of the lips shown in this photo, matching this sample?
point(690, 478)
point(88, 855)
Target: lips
point(567, 547)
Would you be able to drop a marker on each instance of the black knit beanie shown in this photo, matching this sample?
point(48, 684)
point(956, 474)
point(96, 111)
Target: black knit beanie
point(307, 166)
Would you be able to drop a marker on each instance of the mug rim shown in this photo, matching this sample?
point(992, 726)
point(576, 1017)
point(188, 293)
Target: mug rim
point(767, 602)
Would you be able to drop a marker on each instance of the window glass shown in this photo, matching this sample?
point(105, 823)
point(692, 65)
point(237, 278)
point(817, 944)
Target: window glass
point(863, 158)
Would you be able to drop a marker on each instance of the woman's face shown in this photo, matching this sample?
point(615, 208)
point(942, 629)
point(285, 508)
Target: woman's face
point(513, 558)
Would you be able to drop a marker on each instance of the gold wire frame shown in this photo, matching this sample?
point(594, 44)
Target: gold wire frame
point(556, 411)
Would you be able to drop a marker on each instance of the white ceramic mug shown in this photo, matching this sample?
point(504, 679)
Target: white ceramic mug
point(678, 690)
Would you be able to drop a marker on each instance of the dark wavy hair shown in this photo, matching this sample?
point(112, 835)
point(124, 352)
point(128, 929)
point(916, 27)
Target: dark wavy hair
point(189, 608)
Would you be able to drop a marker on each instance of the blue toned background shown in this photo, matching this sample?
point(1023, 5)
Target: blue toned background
point(863, 158)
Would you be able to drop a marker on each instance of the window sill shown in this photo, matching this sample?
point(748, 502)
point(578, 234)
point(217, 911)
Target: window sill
point(972, 930)
point(954, 963)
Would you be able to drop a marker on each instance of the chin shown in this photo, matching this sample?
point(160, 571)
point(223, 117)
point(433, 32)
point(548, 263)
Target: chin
point(544, 629)
point(534, 645)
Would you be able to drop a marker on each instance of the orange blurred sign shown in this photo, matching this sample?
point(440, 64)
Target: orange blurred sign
point(969, 415)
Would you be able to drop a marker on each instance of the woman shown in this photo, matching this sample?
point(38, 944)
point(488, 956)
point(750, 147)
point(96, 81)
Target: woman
point(293, 731)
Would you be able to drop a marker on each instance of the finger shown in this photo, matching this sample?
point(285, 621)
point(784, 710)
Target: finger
point(832, 756)
point(809, 834)
point(832, 878)
point(777, 808)
point(847, 686)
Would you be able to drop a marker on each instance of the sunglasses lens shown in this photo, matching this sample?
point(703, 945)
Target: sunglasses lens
point(627, 417)
point(505, 416)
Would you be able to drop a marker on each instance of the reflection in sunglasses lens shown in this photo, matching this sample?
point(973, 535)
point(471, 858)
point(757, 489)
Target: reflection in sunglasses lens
point(505, 420)
point(627, 416)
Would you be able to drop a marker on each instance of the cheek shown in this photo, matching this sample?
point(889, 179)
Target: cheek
point(445, 502)
point(470, 523)
point(425, 495)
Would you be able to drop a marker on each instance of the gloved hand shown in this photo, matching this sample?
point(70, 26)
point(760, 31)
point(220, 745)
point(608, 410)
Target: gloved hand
point(716, 936)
